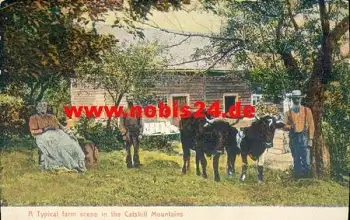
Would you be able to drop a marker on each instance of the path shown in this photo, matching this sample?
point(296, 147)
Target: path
point(276, 157)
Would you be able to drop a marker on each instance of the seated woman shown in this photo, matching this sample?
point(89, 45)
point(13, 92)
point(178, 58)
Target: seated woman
point(58, 149)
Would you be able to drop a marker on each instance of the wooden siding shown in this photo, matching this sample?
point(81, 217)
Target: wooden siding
point(198, 88)
point(217, 86)
point(181, 85)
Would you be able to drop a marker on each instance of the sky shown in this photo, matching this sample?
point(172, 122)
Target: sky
point(193, 21)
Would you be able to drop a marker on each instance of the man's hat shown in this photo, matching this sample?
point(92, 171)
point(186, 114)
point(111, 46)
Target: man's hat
point(296, 94)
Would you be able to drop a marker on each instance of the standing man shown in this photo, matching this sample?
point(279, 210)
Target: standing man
point(131, 129)
point(300, 124)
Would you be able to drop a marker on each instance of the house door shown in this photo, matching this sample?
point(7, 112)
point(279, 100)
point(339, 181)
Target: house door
point(181, 101)
point(229, 101)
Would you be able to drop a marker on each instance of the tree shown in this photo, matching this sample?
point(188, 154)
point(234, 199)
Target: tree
point(44, 40)
point(298, 38)
point(125, 70)
point(41, 48)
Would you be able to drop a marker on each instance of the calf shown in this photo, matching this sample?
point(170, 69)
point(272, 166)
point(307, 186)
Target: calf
point(256, 139)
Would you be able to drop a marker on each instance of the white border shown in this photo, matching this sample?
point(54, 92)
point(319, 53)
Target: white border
point(177, 212)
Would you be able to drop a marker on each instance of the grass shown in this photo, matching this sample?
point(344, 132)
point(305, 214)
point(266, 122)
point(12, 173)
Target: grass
point(158, 182)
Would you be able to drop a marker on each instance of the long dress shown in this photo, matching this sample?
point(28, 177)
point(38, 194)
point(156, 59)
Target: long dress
point(58, 149)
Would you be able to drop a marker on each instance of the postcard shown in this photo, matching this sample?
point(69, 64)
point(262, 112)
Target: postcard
point(182, 109)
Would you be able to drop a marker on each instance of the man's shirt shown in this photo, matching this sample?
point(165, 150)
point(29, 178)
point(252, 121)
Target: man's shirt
point(298, 120)
point(131, 124)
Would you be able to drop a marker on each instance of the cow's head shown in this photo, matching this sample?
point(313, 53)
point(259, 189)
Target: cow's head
point(265, 128)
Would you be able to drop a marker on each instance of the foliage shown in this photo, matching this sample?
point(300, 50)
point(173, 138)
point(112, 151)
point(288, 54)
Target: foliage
point(58, 96)
point(106, 139)
point(277, 38)
point(42, 46)
point(86, 11)
point(272, 83)
point(337, 121)
point(125, 69)
point(113, 184)
point(44, 40)
point(12, 121)
point(161, 143)
point(18, 143)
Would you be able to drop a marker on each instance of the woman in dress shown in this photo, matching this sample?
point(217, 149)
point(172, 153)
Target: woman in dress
point(58, 149)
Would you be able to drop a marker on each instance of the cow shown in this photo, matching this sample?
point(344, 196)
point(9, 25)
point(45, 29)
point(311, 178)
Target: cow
point(256, 139)
point(208, 137)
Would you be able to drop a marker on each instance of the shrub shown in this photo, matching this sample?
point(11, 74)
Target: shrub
point(11, 109)
point(337, 138)
point(13, 120)
point(161, 143)
point(95, 131)
point(337, 121)
point(19, 142)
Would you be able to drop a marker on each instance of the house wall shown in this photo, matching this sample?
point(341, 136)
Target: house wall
point(218, 86)
point(195, 87)
point(180, 85)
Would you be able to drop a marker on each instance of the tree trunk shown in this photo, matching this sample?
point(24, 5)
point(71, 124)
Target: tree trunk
point(117, 102)
point(320, 77)
point(320, 151)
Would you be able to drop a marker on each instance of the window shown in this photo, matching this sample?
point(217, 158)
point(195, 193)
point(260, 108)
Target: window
point(229, 100)
point(255, 99)
point(181, 100)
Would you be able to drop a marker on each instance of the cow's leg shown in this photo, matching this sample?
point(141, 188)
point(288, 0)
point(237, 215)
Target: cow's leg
point(198, 158)
point(188, 161)
point(216, 166)
point(186, 158)
point(244, 166)
point(231, 159)
point(204, 164)
point(261, 161)
point(233, 162)
point(229, 164)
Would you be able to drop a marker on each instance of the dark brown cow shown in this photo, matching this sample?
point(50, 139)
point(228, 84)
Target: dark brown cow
point(208, 138)
point(256, 139)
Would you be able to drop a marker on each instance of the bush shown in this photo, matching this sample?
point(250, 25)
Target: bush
point(13, 119)
point(11, 109)
point(338, 139)
point(337, 121)
point(19, 142)
point(161, 143)
point(95, 131)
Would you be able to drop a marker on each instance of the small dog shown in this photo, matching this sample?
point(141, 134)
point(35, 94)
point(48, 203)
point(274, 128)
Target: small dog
point(92, 155)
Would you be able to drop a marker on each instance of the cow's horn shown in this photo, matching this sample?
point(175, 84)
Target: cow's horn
point(271, 121)
point(208, 120)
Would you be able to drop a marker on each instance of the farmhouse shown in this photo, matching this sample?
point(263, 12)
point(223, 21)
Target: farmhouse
point(182, 82)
